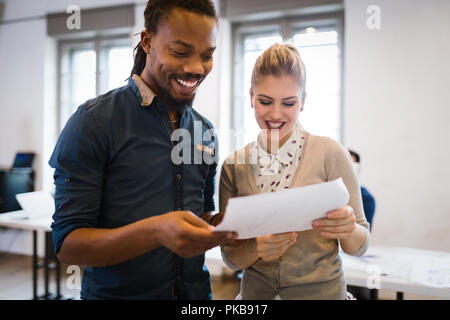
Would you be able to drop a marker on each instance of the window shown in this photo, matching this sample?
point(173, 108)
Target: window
point(319, 40)
point(253, 46)
point(89, 68)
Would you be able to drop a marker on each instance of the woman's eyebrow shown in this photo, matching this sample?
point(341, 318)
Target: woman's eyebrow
point(264, 96)
point(292, 97)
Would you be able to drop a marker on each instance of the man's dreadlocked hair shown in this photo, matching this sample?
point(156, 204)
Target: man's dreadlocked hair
point(156, 11)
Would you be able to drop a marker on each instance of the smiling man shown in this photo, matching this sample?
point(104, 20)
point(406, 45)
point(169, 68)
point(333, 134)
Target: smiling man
point(124, 209)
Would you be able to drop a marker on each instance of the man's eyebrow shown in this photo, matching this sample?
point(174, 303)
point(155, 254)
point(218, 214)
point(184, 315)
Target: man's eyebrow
point(184, 44)
point(187, 45)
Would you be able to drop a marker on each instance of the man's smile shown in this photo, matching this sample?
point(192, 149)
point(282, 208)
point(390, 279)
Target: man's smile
point(186, 86)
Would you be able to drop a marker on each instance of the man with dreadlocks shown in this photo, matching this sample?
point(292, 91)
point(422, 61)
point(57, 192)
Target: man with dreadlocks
point(125, 210)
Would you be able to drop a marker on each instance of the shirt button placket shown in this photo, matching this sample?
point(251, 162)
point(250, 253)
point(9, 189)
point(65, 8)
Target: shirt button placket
point(179, 188)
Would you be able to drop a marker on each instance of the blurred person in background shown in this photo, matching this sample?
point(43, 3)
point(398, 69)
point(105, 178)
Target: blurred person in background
point(367, 198)
point(362, 293)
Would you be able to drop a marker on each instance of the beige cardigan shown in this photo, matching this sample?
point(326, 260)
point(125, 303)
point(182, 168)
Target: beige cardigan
point(311, 268)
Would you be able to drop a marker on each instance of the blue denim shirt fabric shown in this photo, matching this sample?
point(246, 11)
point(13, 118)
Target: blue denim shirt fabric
point(113, 167)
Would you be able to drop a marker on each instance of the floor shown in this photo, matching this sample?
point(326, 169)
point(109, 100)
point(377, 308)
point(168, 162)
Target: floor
point(16, 282)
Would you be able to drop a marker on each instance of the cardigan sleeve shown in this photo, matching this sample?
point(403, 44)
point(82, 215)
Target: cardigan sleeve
point(338, 164)
point(227, 188)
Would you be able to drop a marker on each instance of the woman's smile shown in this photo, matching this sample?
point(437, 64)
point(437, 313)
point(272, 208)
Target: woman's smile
point(274, 125)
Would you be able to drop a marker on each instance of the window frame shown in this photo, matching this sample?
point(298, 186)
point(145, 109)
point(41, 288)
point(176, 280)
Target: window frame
point(98, 44)
point(286, 26)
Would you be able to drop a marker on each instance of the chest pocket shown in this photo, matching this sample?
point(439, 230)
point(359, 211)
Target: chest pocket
point(203, 157)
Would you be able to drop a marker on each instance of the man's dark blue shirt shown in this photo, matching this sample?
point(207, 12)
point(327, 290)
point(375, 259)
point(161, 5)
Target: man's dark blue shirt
point(113, 167)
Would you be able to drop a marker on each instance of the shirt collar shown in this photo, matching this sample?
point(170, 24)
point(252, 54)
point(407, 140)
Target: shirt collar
point(287, 151)
point(146, 93)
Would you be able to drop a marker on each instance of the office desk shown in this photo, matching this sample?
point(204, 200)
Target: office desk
point(15, 220)
point(394, 265)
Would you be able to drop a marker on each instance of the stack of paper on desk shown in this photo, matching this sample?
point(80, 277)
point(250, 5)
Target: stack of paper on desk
point(283, 211)
point(432, 272)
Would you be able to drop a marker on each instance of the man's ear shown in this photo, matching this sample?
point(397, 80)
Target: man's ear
point(146, 40)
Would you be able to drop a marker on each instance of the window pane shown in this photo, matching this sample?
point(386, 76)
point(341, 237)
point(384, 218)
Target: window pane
point(320, 53)
point(253, 47)
point(77, 81)
point(120, 62)
point(79, 72)
point(83, 76)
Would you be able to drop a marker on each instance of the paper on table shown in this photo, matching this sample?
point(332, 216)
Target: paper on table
point(432, 272)
point(283, 211)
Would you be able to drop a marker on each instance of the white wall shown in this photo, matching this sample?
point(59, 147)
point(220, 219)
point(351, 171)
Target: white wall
point(397, 113)
point(21, 90)
point(22, 57)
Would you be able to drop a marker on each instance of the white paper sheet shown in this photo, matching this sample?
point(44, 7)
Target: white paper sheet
point(432, 272)
point(283, 211)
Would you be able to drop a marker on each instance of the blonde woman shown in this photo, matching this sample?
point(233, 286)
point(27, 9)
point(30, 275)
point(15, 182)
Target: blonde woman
point(293, 265)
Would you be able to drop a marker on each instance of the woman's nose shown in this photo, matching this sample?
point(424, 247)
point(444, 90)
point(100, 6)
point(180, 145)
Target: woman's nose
point(275, 112)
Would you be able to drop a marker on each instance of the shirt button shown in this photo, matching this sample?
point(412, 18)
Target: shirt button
point(67, 179)
point(179, 176)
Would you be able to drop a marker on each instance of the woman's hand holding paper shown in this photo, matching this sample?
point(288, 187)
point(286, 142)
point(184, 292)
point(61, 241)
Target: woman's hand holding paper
point(273, 246)
point(339, 224)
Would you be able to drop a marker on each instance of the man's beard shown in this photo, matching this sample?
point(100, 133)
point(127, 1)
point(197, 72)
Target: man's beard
point(170, 102)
